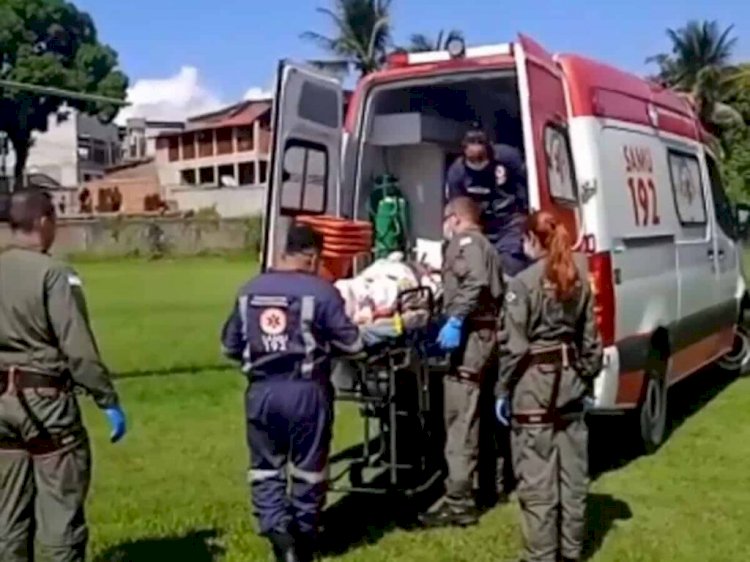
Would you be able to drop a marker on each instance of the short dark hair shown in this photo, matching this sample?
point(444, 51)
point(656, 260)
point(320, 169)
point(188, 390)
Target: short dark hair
point(475, 136)
point(27, 207)
point(302, 238)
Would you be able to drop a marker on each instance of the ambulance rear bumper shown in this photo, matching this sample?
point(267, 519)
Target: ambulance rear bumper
point(606, 386)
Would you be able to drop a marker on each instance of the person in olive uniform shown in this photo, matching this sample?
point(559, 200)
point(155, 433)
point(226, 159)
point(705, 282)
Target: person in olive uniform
point(473, 292)
point(46, 348)
point(549, 358)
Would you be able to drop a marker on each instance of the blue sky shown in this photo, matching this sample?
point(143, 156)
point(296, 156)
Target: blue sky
point(226, 47)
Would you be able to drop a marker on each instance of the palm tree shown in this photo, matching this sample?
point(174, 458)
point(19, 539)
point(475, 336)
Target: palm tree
point(420, 43)
point(699, 67)
point(361, 37)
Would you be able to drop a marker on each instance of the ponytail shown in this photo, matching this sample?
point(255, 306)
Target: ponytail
point(561, 270)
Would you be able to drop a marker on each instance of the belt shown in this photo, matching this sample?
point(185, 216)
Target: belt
point(549, 418)
point(562, 355)
point(29, 379)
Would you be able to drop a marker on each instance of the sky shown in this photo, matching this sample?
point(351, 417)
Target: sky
point(189, 56)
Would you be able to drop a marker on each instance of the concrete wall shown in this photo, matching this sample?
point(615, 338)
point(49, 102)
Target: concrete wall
point(152, 236)
point(228, 201)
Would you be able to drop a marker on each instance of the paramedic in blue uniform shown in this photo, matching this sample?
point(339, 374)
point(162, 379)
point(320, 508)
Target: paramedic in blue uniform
point(283, 328)
point(495, 178)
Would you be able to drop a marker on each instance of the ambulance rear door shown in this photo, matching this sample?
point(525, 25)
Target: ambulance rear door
point(305, 152)
point(551, 173)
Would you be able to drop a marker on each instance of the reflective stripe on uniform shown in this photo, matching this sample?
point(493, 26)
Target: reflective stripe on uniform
point(261, 475)
point(307, 476)
point(307, 315)
point(242, 304)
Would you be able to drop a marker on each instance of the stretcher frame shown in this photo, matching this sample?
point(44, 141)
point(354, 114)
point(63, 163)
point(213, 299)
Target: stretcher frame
point(381, 366)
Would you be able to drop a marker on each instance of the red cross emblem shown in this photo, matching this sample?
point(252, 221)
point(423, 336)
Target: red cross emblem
point(272, 321)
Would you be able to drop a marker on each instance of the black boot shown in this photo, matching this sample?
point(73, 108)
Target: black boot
point(284, 547)
point(450, 514)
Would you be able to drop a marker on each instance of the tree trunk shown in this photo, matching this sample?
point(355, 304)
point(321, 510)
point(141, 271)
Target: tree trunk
point(21, 143)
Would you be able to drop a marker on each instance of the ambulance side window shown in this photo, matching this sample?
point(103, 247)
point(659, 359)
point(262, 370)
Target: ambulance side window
point(687, 188)
point(560, 172)
point(723, 208)
point(304, 179)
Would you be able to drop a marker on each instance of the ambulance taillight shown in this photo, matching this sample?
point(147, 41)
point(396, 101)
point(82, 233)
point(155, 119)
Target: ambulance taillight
point(602, 286)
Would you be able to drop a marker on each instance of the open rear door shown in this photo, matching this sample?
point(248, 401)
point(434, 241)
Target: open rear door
point(551, 173)
point(305, 153)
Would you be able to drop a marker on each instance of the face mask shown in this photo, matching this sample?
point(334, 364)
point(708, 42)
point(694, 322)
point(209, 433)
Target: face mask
point(476, 166)
point(530, 248)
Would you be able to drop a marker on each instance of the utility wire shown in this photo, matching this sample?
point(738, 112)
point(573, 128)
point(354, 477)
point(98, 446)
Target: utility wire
point(60, 92)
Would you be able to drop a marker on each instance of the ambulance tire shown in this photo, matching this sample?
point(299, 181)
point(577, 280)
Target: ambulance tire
point(653, 412)
point(737, 362)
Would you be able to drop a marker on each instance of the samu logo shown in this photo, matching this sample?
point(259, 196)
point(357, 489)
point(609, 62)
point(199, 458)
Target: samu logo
point(272, 323)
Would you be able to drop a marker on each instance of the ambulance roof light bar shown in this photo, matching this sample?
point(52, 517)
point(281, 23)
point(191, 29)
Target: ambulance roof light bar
point(455, 49)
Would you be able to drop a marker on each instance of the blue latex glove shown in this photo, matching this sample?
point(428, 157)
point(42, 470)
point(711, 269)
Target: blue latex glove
point(588, 403)
point(502, 410)
point(450, 334)
point(116, 418)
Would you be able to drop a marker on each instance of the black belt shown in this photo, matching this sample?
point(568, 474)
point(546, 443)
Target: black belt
point(557, 418)
point(558, 356)
point(29, 379)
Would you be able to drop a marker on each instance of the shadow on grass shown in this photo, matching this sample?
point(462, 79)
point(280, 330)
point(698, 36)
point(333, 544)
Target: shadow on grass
point(176, 370)
point(197, 546)
point(602, 513)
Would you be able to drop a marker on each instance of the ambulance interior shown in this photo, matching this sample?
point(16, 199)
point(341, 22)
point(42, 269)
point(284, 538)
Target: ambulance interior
point(414, 132)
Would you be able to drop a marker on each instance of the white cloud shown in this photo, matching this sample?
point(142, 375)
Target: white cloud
point(256, 93)
point(174, 98)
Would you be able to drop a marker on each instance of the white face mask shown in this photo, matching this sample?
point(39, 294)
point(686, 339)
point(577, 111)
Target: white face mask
point(476, 166)
point(447, 231)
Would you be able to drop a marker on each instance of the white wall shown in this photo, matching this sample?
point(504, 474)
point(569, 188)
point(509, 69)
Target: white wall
point(228, 201)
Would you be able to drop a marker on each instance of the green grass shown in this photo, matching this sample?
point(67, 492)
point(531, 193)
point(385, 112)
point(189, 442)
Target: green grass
point(175, 488)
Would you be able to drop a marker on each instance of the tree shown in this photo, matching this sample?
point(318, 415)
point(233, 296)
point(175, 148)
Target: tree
point(361, 37)
point(51, 43)
point(699, 66)
point(420, 43)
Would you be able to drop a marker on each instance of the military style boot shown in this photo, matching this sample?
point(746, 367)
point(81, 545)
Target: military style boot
point(284, 547)
point(451, 513)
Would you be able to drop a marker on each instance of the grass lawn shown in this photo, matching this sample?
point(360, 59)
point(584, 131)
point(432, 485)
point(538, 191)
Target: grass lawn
point(175, 488)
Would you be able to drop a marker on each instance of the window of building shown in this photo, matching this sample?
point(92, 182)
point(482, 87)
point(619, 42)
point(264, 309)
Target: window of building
point(245, 139)
point(100, 152)
point(84, 148)
point(227, 177)
point(263, 172)
point(174, 148)
point(687, 188)
point(560, 173)
point(224, 141)
point(205, 143)
point(247, 173)
point(305, 178)
point(188, 146)
point(187, 177)
point(207, 176)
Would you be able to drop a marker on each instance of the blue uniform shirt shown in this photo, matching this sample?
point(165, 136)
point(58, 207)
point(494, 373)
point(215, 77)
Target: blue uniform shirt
point(500, 190)
point(284, 324)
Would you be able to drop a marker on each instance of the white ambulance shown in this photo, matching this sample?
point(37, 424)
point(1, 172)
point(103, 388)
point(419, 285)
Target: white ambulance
point(624, 162)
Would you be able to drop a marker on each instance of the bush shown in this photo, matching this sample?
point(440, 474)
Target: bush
point(254, 234)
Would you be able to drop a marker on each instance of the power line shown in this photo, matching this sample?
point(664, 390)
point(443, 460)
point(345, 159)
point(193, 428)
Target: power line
point(60, 92)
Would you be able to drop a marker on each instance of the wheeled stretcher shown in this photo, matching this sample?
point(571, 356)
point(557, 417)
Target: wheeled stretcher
point(392, 382)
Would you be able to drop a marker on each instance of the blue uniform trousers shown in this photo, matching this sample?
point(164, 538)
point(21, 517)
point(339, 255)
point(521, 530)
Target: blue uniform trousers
point(288, 433)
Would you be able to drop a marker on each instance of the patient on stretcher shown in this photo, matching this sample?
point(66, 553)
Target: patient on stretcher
point(373, 297)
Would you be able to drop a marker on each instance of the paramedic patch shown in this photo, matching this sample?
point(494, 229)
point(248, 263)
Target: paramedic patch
point(501, 175)
point(465, 241)
point(272, 321)
point(511, 297)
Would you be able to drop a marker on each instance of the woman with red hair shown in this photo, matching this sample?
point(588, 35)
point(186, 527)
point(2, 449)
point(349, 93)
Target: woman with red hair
point(550, 356)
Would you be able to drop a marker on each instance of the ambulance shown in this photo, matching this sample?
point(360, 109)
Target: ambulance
point(625, 163)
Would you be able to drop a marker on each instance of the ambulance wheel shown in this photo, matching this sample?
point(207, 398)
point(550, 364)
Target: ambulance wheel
point(653, 410)
point(737, 361)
